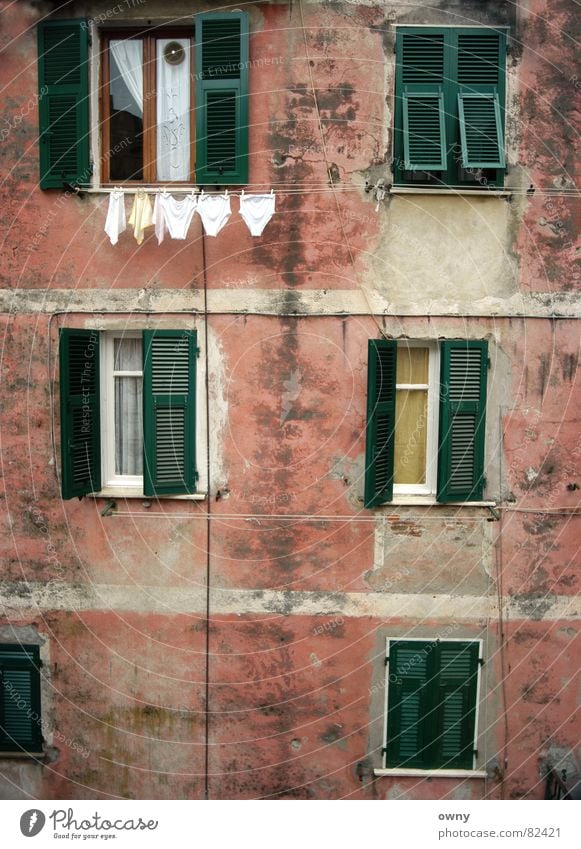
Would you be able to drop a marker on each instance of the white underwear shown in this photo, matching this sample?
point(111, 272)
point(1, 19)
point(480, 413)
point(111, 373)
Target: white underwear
point(173, 215)
point(115, 222)
point(214, 210)
point(257, 210)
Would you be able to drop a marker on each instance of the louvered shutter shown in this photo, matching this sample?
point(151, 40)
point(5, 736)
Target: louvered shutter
point(380, 430)
point(222, 98)
point(455, 715)
point(63, 103)
point(20, 717)
point(480, 74)
point(80, 412)
point(420, 83)
point(462, 420)
point(408, 726)
point(169, 420)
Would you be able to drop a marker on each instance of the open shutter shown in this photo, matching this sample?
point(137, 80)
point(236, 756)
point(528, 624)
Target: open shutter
point(63, 103)
point(481, 83)
point(20, 718)
point(80, 412)
point(456, 692)
point(169, 419)
point(408, 705)
point(420, 108)
point(380, 430)
point(222, 98)
point(481, 131)
point(462, 420)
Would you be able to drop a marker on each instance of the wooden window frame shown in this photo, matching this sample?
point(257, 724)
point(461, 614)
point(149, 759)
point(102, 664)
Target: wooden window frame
point(149, 38)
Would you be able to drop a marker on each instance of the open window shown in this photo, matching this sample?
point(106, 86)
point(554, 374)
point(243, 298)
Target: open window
point(173, 105)
point(426, 405)
point(128, 411)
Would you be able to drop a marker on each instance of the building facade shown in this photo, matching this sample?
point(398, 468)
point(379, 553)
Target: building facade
point(290, 515)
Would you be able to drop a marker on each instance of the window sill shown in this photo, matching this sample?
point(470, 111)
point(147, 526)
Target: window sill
point(464, 191)
point(131, 492)
point(430, 501)
point(432, 773)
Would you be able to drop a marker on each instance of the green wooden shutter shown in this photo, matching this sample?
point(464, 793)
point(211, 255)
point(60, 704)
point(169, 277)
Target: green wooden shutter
point(408, 740)
point(20, 717)
point(462, 420)
point(380, 430)
point(63, 80)
point(80, 412)
point(169, 416)
point(222, 98)
point(455, 716)
point(420, 124)
point(424, 132)
point(481, 84)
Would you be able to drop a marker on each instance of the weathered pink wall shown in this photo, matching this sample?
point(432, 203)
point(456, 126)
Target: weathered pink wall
point(293, 711)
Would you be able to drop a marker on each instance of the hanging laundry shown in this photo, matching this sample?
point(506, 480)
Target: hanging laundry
point(173, 215)
point(141, 215)
point(214, 210)
point(257, 210)
point(115, 222)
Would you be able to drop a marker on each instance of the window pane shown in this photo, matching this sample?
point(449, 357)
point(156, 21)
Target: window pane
point(173, 109)
point(126, 109)
point(127, 354)
point(411, 416)
point(412, 365)
point(129, 425)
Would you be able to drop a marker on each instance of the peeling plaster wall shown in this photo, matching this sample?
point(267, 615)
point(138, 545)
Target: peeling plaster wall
point(299, 608)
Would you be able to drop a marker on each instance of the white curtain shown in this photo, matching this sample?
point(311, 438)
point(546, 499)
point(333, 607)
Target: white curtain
point(128, 408)
point(127, 75)
point(173, 114)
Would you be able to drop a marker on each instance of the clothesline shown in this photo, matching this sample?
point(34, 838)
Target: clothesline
point(173, 216)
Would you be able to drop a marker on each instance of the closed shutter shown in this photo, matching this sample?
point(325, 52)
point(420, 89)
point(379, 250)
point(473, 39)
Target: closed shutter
point(380, 430)
point(462, 420)
point(408, 705)
point(420, 81)
point(20, 718)
point(222, 98)
point(63, 103)
point(481, 74)
point(456, 705)
point(169, 420)
point(80, 412)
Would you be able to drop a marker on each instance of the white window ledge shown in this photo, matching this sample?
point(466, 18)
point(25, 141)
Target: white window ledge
point(426, 190)
point(132, 492)
point(432, 773)
point(429, 501)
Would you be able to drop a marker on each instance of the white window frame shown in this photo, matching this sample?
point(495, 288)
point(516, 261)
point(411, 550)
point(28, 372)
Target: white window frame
point(433, 387)
point(131, 486)
point(108, 375)
point(452, 773)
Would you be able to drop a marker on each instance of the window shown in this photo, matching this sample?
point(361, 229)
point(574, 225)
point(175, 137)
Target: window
point(20, 717)
point(173, 102)
point(425, 420)
point(449, 107)
point(128, 411)
point(432, 697)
